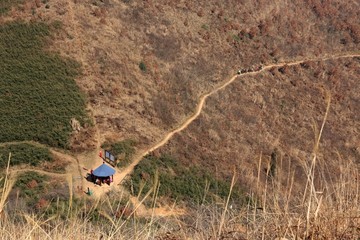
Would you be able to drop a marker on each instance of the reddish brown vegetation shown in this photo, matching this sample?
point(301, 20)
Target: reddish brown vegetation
point(275, 110)
point(32, 184)
point(193, 46)
point(41, 204)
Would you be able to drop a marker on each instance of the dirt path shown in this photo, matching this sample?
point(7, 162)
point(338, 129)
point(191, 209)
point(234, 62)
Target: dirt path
point(201, 103)
point(23, 142)
point(84, 162)
point(15, 172)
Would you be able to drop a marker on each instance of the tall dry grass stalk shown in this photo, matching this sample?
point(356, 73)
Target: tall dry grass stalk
point(312, 198)
point(70, 185)
point(222, 221)
point(6, 189)
point(334, 215)
point(328, 207)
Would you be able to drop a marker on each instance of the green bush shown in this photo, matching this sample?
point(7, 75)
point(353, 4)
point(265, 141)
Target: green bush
point(57, 24)
point(205, 27)
point(125, 147)
point(31, 187)
point(26, 177)
point(179, 182)
point(38, 93)
point(142, 66)
point(24, 153)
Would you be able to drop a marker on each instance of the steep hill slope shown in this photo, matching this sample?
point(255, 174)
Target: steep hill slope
point(186, 48)
point(276, 115)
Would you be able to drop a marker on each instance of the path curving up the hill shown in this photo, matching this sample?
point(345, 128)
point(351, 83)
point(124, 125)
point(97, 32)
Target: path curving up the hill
point(122, 173)
point(92, 160)
point(129, 169)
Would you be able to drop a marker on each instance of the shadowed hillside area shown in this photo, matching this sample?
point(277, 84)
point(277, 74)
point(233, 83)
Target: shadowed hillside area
point(235, 119)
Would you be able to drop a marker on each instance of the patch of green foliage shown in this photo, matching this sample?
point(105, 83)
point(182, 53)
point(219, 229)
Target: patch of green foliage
point(31, 186)
point(205, 27)
point(35, 191)
point(61, 207)
point(57, 24)
point(124, 149)
point(179, 182)
point(236, 37)
point(5, 5)
point(24, 153)
point(142, 66)
point(38, 94)
point(34, 187)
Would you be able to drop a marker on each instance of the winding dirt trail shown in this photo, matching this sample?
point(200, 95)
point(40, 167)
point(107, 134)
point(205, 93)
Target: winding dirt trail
point(201, 103)
point(92, 160)
point(23, 142)
point(15, 172)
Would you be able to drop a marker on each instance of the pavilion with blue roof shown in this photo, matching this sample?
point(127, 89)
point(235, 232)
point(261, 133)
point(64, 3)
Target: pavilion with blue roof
point(103, 174)
point(104, 171)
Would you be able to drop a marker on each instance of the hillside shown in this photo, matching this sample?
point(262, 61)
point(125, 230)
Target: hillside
point(193, 47)
point(40, 83)
point(157, 82)
point(276, 114)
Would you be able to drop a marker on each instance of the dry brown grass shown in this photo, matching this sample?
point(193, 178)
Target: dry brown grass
point(325, 208)
point(317, 198)
point(187, 47)
point(265, 114)
point(8, 182)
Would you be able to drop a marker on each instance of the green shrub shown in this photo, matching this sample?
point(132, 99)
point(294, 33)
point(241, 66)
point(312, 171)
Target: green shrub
point(24, 153)
point(57, 24)
point(31, 187)
point(142, 66)
point(179, 182)
point(205, 27)
point(26, 177)
point(125, 148)
point(32, 192)
point(38, 93)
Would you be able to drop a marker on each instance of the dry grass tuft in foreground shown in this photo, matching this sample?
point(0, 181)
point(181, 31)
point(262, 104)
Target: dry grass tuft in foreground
point(328, 206)
point(329, 210)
